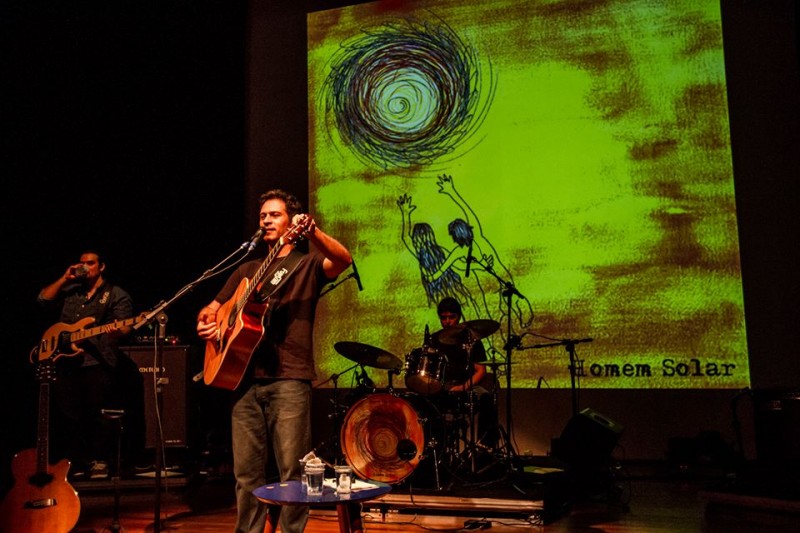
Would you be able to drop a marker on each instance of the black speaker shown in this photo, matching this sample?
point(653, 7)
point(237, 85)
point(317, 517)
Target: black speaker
point(777, 421)
point(173, 393)
point(588, 439)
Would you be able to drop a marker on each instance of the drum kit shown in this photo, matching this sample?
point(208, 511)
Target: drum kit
point(389, 435)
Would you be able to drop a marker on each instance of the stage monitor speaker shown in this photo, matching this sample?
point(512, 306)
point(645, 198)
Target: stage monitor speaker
point(588, 439)
point(777, 421)
point(173, 393)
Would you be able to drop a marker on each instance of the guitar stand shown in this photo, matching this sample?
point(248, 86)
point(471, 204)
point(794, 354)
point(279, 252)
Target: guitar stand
point(115, 415)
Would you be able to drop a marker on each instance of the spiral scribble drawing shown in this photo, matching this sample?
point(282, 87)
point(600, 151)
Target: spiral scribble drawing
point(406, 94)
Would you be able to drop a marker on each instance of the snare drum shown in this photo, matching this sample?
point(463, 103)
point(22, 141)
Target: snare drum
point(425, 370)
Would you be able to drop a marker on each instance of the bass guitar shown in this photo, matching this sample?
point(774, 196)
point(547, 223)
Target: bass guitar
point(240, 322)
point(41, 498)
point(60, 339)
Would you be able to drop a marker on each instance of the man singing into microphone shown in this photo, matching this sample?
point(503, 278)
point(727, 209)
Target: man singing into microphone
point(271, 412)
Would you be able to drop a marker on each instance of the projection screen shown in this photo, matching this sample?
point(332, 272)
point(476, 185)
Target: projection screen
point(578, 153)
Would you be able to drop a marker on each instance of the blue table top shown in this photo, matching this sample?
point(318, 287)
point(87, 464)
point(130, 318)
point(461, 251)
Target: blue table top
point(293, 492)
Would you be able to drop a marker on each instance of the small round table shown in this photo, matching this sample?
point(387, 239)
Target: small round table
point(294, 493)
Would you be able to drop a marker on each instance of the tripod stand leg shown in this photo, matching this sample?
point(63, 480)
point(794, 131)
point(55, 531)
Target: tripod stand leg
point(436, 470)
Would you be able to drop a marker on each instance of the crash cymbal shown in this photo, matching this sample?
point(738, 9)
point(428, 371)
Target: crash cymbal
point(476, 330)
point(367, 355)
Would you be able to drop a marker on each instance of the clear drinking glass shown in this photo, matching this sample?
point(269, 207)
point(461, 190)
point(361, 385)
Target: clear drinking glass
point(344, 479)
point(316, 474)
point(303, 475)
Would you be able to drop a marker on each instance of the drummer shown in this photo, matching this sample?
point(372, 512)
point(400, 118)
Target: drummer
point(464, 371)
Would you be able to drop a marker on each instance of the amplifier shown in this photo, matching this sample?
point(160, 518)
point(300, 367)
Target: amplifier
point(589, 438)
point(172, 402)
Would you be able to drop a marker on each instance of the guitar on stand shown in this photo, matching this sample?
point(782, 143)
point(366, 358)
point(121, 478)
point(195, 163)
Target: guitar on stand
point(41, 498)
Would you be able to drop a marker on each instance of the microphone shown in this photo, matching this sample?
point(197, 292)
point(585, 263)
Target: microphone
point(426, 341)
point(249, 245)
point(469, 259)
point(355, 275)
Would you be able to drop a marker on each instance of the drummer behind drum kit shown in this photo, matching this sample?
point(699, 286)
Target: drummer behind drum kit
point(386, 436)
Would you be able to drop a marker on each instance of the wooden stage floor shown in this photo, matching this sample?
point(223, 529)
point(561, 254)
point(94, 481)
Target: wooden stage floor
point(640, 502)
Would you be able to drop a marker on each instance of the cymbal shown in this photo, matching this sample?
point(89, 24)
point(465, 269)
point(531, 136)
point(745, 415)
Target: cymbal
point(367, 355)
point(476, 329)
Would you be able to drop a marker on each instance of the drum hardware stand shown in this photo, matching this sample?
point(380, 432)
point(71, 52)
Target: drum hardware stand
point(391, 372)
point(335, 416)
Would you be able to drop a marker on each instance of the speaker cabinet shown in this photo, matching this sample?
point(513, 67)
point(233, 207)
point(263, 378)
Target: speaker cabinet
point(588, 439)
point(777, 419)
point(172, 397)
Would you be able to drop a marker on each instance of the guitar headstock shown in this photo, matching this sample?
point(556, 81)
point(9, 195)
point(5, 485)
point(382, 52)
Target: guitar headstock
point(298, 230)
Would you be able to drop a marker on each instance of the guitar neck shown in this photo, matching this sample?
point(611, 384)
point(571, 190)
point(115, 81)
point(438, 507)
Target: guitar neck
point(287, 238)
point(98, 330)
point(42, 433)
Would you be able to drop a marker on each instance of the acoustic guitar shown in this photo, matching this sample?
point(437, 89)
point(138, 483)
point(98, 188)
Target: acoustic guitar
point(240, 321)
point(41, 498)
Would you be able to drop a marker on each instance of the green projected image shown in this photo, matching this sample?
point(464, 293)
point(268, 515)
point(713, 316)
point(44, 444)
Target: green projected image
point(579, 153)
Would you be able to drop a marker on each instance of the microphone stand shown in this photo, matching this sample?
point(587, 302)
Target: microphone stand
point(569, 346)
point(335, 284)
point(512, 341)
point(157, 313)
point(158, 381)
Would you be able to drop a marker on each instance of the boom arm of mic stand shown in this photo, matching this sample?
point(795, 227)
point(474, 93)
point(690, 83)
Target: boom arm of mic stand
point(335, 284)
point(335, 377)
point(151, 315)
point(569, 345)
point(563, 342)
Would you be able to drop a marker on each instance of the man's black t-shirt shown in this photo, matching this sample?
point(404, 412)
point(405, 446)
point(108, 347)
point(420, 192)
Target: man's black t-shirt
point(286, 348)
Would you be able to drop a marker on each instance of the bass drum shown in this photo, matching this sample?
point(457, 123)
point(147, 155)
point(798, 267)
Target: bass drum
point(383, 437)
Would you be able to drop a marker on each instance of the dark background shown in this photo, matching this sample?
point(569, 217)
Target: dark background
point(147, 129)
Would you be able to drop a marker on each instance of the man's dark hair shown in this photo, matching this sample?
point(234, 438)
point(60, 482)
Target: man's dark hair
point(100, 258)
point(293, 205)
point(449, 305)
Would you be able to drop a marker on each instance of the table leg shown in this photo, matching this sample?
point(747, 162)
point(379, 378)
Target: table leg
point(343, 514)
point(273, 516)
point(354, 513)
